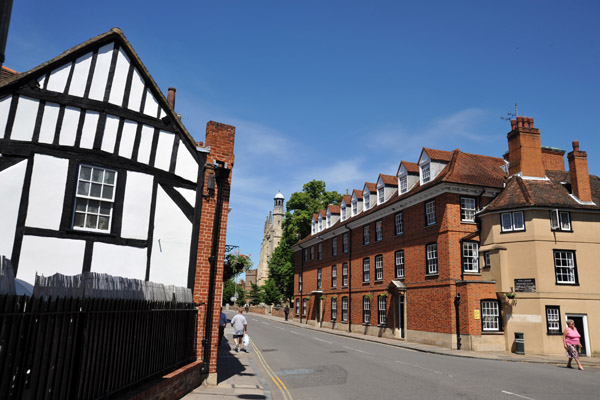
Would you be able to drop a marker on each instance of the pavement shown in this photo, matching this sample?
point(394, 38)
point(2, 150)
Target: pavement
point(239, 378)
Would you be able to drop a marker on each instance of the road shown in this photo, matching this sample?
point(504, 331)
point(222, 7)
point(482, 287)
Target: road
point(300, 363)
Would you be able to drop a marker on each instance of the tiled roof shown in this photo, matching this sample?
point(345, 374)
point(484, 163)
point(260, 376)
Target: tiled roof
point(358, 193)
point(334, 209)
point(389, 180)
point(371, 186)
point(521, 193)
point(438, 155)
point(7, 74)
point(323, 214)
point(411, 167)
point(347, 199)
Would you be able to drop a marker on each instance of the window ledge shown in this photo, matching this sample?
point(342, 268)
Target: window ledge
point(554, 333)
point(472, 273)
point(378, 281)
point(366, 282)
point(382, 325)
point(435, 274)
point(363, 324)
point(468, 222)
point(492, 333)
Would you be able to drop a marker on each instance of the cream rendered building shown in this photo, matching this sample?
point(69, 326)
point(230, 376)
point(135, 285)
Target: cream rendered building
point(272, 236)
point(540, 243)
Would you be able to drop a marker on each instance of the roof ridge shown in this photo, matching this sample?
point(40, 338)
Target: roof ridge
point(524, 190)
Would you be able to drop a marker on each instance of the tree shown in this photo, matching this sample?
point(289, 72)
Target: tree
point(229, 287)
point(296, 226)
point(256, 294)
point(235, 264)
point(271, 292)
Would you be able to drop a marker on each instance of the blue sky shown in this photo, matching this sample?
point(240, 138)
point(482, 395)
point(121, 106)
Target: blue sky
point(344, 90)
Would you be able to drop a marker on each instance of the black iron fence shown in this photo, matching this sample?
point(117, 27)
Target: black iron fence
point(77, 348)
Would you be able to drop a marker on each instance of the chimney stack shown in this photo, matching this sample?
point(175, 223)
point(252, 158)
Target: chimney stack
point(578, 170)
point(171, 97)
point(525, 149)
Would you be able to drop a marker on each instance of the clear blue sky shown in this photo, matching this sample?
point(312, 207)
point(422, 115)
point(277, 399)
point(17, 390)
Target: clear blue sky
point(344, 90)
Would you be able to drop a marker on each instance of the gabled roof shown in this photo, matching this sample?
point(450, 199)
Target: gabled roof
point(372, 187)
point(522, 193)
point(346, 199)
point(437, 155)
point(323, 213)
point(36, 77)
point(411, 167)
point(334, 209)
point(358, 194)
point(389, 180)
point(7, 74)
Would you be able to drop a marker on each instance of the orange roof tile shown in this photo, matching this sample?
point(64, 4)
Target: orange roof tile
point(389, 180)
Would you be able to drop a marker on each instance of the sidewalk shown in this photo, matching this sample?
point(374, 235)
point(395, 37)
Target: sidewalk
point(238, 377)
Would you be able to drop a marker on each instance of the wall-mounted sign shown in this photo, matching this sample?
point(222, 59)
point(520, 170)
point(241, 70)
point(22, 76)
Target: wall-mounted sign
point(476, 314)
point(525, 285)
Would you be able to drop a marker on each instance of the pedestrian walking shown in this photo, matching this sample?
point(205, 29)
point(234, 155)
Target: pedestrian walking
point(247, 307)
point(240, 327)
point(571, 340)
point(286, 311)
point(222, 323)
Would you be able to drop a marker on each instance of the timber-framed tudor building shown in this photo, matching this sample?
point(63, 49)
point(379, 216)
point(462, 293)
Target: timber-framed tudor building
point(98, 174)
point(462, 251)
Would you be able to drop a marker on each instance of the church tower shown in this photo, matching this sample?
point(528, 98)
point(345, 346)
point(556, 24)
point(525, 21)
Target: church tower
point(272, 235)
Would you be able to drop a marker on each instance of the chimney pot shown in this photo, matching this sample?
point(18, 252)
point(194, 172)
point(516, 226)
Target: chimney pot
point(575, 145)
point(171, 97)
point(513, 124)
point(530, 122)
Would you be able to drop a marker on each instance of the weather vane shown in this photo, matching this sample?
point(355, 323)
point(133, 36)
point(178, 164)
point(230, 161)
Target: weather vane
point(510, 115)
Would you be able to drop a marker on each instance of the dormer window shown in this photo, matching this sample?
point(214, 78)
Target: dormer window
point(320, 223)
point(328, 218)
point(367, 198)
point(380, 193)
point(343, 210)
point(314, 226)
point(425, 172)
point(354, 206)
point(403, 182)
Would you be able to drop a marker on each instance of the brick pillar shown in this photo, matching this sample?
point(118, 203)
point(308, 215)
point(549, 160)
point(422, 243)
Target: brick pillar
point(220, 140)
point(525, 149)
point(578, 170)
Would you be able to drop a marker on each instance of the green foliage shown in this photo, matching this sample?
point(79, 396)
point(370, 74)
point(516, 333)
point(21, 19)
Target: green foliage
point(256, 294)
point(235, 264)
point(271, 292)
point(229, 290)
point(241, 296)
point(296, 226)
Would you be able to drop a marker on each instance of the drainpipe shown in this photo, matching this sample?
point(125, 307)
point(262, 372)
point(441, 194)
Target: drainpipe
point(301, 302)
point(349, 278)
point(457, 308)
point(221, 175)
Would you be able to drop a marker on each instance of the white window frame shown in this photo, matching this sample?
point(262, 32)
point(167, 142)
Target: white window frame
point(490, 316)
point(468, 207)
point(366, 310)
point(379, 267)
point(344, 309)
point(560, 221)
point(430, 213)
point(90, 209)
point(509, 222)
point(344, 274)
point(366, 235)
point(486, 259)
point(319, 278)
point(300, 282)
point(354, 206)
point(381, 310)
point(343, 211)
point(381, 193)
point(426, 172)
point(553, 324)
point(432, 259)
point(403, 183)
point(367, 199)
point(366, 269)
point(297, 306)
point(334, 276)
point(378, 231)
point(304, 307)
point(470, 256)
point(399, 263)
point(565, 267)
point(399, 223)
point(333, 309)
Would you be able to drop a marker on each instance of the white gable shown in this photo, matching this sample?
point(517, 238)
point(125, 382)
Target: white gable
point(80, 75)
point(119, 82)
point(101, 70)
point(4, 107)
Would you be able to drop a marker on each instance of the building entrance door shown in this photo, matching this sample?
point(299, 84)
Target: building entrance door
point(581, 325)
point(401, 314)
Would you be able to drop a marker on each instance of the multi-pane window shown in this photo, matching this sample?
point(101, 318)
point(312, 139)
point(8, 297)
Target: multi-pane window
point(366, 270)
point(553, 320)
point(467, 209)
point(432, 258)
point(513, 221)
point(343, 208)
point(94, 198)
point(366, 310)
point(379, 267)
point(367, 199)
point(345, 274)
point(345, 309)
point(490, 316)
point(560, 220)
point(345, 243)
point(320, 251)
point(333, 309)
point(399, 223)
point(354, 206)
point(381, 310)
point(366, 234)
point(334, 246)
point(304, 303)
point(378, 231)
point(486, 259)
point(564, 267)
point(300, 282)
point(381, 194)
point(333, 276)
point(399, 256)
point(430, 213)
point(305, 254)
point(297, 306)
point(319, 276)
point(403, 184)
point(426, 173)
point(312, 252)
point(470, 253)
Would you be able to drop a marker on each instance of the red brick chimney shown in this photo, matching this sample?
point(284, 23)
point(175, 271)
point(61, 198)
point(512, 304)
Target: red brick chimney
point(578, 169)
point(525, 149)
point(171, 97)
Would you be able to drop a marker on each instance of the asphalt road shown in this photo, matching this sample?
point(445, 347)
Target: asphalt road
point(299, 363)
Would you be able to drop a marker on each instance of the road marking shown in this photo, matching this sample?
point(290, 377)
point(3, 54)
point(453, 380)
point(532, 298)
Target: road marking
point(297, 333)
point(278, 382)
point(358, 351)
point(518, 395)
point(423, 368)
point(321, 340)
point(266, 323)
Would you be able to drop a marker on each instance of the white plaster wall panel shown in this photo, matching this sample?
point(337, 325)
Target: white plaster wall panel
point(145, 144)
point(171, 243)
point(80, 75)
point(11, 182)
point(46, 192)
point(127, 139)
point(164, 150)
point(42, 81)
point(137, 90)
point(47, 256)
point(25, 119)
point(189, 195)
point(101, 70)
point(128, 262)
point(58, 78)
point(4, 109)
point(151, 105)
point(88, 133)
point(136, 206)
point(162, 113)
point(109, 138)
point(186, 166)
point(68, 129)
point(119, 82)
point(48, 127)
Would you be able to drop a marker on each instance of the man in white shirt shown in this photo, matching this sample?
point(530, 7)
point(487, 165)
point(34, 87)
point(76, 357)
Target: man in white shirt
point(240, 326)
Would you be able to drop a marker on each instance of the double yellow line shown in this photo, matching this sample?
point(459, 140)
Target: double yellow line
point(278, 382)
